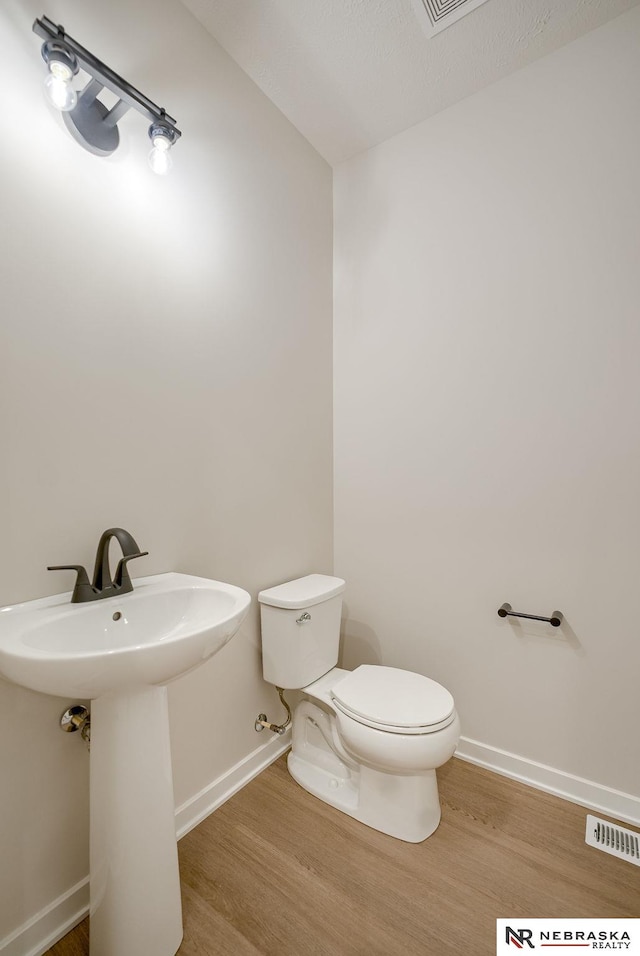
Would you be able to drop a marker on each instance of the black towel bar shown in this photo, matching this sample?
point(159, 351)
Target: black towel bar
point(555, 620)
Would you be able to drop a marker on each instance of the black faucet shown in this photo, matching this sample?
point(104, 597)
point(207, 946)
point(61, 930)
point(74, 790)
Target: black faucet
point(103, 586)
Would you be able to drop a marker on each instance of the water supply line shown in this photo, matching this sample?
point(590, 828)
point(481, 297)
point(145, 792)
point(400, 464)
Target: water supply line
point(262, 722)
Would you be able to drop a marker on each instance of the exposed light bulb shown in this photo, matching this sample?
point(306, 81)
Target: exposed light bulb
point(58, 88)
point(161, 141)
point(162, 137)
point(160, 157)
point(60, 69)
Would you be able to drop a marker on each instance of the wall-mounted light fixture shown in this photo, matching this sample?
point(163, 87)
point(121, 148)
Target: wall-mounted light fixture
point(90, 122)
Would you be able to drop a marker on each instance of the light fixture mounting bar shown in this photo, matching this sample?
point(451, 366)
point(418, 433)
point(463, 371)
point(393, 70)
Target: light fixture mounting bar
point(48, 30)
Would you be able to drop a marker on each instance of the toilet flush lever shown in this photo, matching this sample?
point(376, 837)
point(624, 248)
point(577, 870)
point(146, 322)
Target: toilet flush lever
point(303, 618)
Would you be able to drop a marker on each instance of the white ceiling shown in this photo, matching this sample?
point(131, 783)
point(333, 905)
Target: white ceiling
point(351, 73)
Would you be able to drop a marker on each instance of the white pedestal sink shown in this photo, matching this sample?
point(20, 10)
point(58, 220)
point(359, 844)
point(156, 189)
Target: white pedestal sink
point(121, 652)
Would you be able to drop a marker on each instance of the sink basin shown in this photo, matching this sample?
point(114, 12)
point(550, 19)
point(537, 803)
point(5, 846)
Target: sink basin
point(121, 652)
point(169, 624)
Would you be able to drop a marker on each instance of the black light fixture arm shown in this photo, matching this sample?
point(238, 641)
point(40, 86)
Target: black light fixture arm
point(106, 77)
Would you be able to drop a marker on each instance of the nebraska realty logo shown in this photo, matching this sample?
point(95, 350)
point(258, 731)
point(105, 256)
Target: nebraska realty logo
point(562, 935)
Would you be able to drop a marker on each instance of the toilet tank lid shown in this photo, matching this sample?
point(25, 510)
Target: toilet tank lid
point(303, 592)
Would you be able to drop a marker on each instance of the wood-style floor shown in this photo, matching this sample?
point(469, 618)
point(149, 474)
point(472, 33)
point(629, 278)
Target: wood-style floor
point(276, 872)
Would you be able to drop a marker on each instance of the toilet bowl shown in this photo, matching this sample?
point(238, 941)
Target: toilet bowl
point(395, 720)
point(367, 741)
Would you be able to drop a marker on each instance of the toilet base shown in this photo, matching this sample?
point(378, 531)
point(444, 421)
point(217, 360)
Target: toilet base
point(404, 807)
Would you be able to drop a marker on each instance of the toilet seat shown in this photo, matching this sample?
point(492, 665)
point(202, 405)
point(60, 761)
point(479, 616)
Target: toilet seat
point(393, 700)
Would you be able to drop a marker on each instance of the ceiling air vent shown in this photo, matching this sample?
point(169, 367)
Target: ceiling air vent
point(437, 15)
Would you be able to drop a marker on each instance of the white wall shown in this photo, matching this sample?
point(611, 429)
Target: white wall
point(487, 403)
point(165, 366)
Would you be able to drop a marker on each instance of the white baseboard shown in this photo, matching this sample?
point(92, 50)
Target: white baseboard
point(595, 796)
point(194, 810)
point(44, 929)
point(53, 922)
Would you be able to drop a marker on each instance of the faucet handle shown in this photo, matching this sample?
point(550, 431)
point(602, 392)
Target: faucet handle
point(122, 580)
point(82, 590)
point(83, 577)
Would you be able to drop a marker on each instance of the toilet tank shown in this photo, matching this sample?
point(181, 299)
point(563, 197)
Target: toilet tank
point(300, 623)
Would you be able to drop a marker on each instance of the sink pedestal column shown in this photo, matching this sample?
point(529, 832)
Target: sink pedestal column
point(135, 883)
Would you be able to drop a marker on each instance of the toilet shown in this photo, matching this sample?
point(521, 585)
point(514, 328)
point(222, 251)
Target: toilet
point(366, 741)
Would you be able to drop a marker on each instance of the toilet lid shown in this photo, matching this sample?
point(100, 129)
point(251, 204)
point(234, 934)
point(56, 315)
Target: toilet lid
point(394, 698)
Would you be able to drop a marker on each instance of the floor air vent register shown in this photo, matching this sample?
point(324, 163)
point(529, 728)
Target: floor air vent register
point(618, 841)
